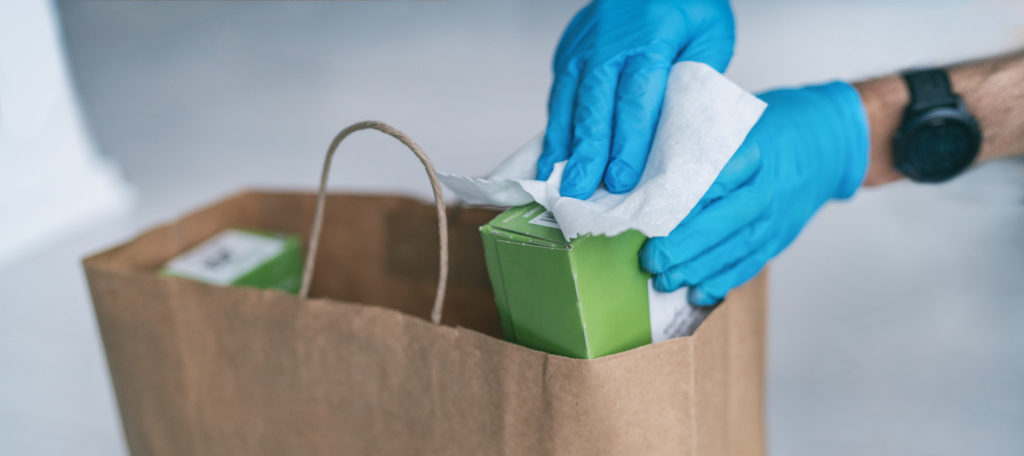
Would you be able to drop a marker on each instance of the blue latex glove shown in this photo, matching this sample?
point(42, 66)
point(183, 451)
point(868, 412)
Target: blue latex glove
point(810, 146)
point(611, 68)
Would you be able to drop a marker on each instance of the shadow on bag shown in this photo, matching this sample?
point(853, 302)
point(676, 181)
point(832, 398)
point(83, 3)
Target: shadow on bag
point(359, 369)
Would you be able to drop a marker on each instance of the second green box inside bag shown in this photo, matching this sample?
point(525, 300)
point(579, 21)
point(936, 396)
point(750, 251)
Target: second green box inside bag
point(240, 257)
point(584, 299)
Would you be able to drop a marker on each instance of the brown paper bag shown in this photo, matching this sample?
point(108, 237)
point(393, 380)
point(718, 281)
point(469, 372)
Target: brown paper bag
point(358, 369)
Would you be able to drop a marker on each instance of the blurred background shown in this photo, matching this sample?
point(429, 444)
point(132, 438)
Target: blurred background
point(896, 318)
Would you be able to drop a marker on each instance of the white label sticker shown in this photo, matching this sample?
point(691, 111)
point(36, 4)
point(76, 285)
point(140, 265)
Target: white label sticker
point(546, 218)
point(225, 257)
point(671, 315)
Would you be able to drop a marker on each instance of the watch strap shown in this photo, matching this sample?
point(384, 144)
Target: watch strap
point(929, 89)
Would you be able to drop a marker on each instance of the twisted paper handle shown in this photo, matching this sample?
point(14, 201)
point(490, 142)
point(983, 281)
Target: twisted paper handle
point(442, 218)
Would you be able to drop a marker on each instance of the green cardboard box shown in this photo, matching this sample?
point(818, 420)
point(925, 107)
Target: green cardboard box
point(585, 298)
point(238, 257)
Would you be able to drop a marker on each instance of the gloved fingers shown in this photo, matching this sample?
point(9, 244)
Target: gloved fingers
point(717, 259)
point(713, 290)
point(558, 136)
point(737, 171)
point(713, 46)
point(591, 130)
point(713, 224)
point(638, 99)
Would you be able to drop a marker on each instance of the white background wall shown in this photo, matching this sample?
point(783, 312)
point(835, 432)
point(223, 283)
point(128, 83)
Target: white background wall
point(896, 318)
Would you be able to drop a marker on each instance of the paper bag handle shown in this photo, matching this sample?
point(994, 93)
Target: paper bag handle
point(442, 218)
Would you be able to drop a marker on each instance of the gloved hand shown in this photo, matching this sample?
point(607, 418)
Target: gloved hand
point(611, 68)
point(810, 146)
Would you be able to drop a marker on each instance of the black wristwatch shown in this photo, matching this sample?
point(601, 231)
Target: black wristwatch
point(939, 137)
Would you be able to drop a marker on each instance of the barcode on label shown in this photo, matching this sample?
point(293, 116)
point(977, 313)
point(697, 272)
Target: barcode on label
point(546, 218)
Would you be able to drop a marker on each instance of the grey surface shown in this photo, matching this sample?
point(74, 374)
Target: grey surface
point(896, 317)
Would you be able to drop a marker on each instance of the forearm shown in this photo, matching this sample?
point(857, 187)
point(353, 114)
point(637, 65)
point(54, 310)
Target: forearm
point(992, 89)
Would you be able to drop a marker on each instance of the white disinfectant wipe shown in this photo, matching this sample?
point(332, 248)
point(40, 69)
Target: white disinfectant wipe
point(704, 119)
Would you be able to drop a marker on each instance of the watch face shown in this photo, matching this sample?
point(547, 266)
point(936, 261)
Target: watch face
point(937, 148)
point(945, 141)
